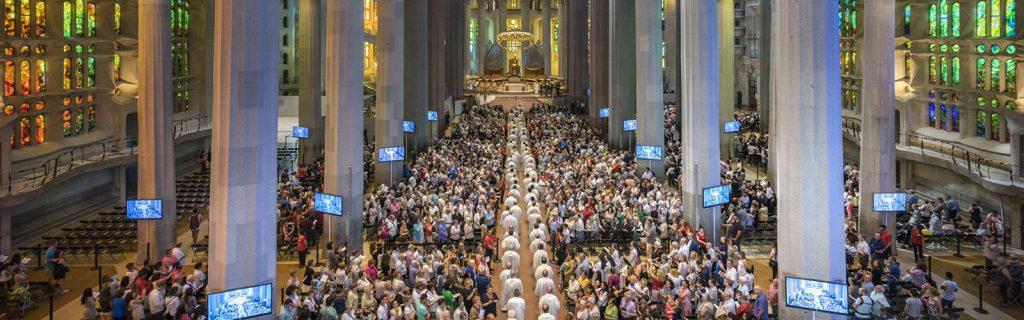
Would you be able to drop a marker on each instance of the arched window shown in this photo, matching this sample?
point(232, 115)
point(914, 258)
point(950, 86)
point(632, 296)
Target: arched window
point(65, 122)
point(945, 71)
point(10, 17)
point(955, 19)
point(117, 18)
point(943, 113)
point(931, 115)
point(996, 18)
point(40, 129)
point(40, 75)
point(1011, 19)
point(25, 77)
point(79, 73)
point(90, 28)
point(284, 22)
point(980, 77)
point(1011, 76)
point(92, 118)
point(954, 121)
point(41, 18)
point(79, 18)
point(956, 71)
point(67, 73)
point(982, 118)
point(79, 121)
point(994, 133)
point(25, 136)
point(25, 10)
point(933, 76)
point(9, 81)
point(906, 20)
point(995, 74)
point(90, 77)
point(980, 19)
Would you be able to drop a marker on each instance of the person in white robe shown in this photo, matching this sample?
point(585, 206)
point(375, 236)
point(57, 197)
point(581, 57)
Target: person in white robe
point(550, 300)
point(511, 259)
point(510, 243)
point(540, 255)
point(512, 287)
point(542, 270)
point(544, 285)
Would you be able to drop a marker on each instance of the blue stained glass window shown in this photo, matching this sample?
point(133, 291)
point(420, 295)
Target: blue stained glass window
point(931, 114)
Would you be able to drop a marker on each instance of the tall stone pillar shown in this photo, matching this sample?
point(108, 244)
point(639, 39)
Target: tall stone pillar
point(5, 234)
point(243, 181)
point(415, 79)
point(481, 37)
point(387, 124)
point(502, 27)
point(621, 88)
point(562, 36)
point(810, 201)
point(545, 26)
point(156, 127)
point(576, 51)
point(698, 106)
point(727, 68)
point(598, 61)
point(878, 131)
point(310, 80)
point(672, 51)
point(5, 160)
point(650, 100)
point(343, 166)
point(461, 39)
point(437, 84)
point(525, 14)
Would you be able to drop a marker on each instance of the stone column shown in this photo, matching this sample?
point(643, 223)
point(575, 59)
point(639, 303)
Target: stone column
point(698, 107)
point(650, 99)
point(502, 27)
point(727, 69)
point(310, 80)
point(524, 13)
point(878, 142)
point(598, 61)
point(621, 88)
point(5, 234)
point(5, 160)
point(576, 56)
point(810, 201)
point(242, 184)
point(562, 43)
point(672, 50)
point(437, 85)
point(156, 127)
point(545, 26)
point(343, 166)
point(387, 124)
point(415, 79)
point(481, 37)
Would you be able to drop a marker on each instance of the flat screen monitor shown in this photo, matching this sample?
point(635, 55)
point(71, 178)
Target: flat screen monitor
point(629, 125)
point(889, 202)
point(716, 196)
point(327, 203)
point(648, 152)
point(431, 115)
point(408, 126)
point(603, 113)
point(244, 303)
point(144, 209)
point(817, 295)
point(732, 127)
point(300, 132)
point(391, 154)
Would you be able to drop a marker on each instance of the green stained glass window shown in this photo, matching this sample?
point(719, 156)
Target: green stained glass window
point(90, 79)
point(933, 47)
point(981, 101)
point(996, 65)
point(956, 48)
point(79, 121)
point(943, 18)
point(933, 21)
point(91, 20)
point(1011, 76)
point(1011, 49)
point(1011, 19)
point(1011, 105)
point(982, 48)
point(980, 19)
point(943, 48)
point(945, 71)
point(956, 71)
point(997, 18)
point(980, 77)
point(79, 73)
point(67, 19)
point(982, 117)
point(906, 19)
point(995, 49)
point(994, 103)
point(955, 17)
point(994, 133)
point(79, 18)
point(117, 18)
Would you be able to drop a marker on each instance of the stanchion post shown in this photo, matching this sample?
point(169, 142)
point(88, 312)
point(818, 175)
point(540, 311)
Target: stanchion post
point(39, 257)
point(959, 236)
point(981, 300)
point(95, 257)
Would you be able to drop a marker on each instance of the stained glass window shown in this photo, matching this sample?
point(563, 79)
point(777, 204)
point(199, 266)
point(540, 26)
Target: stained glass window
point(994, 133)
point(25, 77)
point(10, 17)
point(79, 121)
point(954, 122)
point(66, 10)
point(65, 118)
point(79, 18)
point(996, 65)
point(90, 78)
point(41, 18)
point(117, 18)
point(25, 10)
point(67, 73)
point(931, 114)
point(1011, 18)
point(982, 118)
point(117, 67)
point(40, 129)
point(942, 117)
point(90, 28)
point(907, 63)
point(40, 75)
point(995, 13)
point(956, 71)
point(26, 132)
point(9, 75)
point(932, 70)
point(79, 73)
point(980, 77)
point(92, 118)
point(933, 21)
point(1011, 76)
point(943, 18)
point(8, 109)
point(955, 23)
point(906, 19)
point(980, 19)
point(945, 71)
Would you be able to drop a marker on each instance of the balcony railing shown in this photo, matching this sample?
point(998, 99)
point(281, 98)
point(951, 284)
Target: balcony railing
point(29, 179)
point(959, 154)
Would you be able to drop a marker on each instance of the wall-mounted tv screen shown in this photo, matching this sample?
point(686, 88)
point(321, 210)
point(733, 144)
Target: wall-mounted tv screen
point(732, 126)
point(327, 203)
point(300, 132)
point(648, 152)
point(716, 196)
point(431, 115)
point(244, 303)
point(603, 113)
point(629, 125)
point(408, 126)
point(144, 209)
point(391, 154)
point(817, 295)
point(889, 202)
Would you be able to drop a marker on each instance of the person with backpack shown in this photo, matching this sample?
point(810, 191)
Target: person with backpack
point(863, 305)
point(193, 224)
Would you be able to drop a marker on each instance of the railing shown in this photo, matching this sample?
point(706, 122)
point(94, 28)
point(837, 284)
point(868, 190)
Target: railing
point(25, 180)
point(960, 154)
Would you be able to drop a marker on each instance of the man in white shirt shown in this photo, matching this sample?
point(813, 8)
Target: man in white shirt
point(550, 301)
point(544, 285)
point(538, 257)
point(543, 271)
point(511, 258)
point(512, 287)
point(878, 295)
point(516, 306)
point(510, 243)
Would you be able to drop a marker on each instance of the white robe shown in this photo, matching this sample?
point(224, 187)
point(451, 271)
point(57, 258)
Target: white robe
point(537, 244)
point(510, 258)
point(511, 202)
point(508, 289)
point(510, 243)
point(546, 316)
point(535, 219)
point(544, 286)
point(539, 233)
point(551, 301)
point(537, 258)
point(539, 272)
point(518, 305)
point(510, 222)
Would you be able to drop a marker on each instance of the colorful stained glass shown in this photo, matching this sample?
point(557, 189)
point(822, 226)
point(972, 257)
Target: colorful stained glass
point(9, 109)
point(9, 75)
point(1010, 105)
point(90, 77)
point(25, 138)
point(79, 73)
point(25, 77)
point(25, 107)
point(90, 28)
point(980, 19)
point(117, 67)
point(982, 118)
point(41, 18)
point(945, 70)
point(943, 18)
point(40, 75)
point(25, 10)
point(982, 48)
point(933, 21)
point(996, 65)
point(79, 121)
point(79, 18)
point(995, 49)
point(942, 117)
point(40, 105)
point(956, 48)
point(956, 71)
point(980, 77)
point(931, 114)
point(67, 11)
point(933, 76)
point(1011, 49)
point(1011, 19)
point(954, 119)
point(906, 19)
point(117, 18)
point(1011, 76)
point(92, 118)
point(994, 133)
point(10, 17)
point(40, 129)
point(997, 18)
point(955, 23)
point(67, 73)
point(65, 124)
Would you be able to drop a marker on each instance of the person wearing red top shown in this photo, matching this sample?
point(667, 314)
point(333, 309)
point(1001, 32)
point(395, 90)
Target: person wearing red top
point(300, 246)
point(744, 309)
point(886, 239)
point(489, 243)
point(917, 243)
point(702, 239)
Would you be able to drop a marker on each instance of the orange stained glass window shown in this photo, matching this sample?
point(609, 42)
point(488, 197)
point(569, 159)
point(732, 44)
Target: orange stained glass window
point(25, 77)
point(40, 129)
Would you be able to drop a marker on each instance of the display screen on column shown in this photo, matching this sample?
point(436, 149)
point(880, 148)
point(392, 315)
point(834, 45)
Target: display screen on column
point(431, 115)
point(817, 295)
point(629, 125)
point(408, 126)
point(241, 303)
point(889, 202)
point(603, 113)
point(300, 132)
point(144, 209)
point(327, 203)
point(391, 154)
point(716, 196)
point(648, 152)
point(732, 126)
